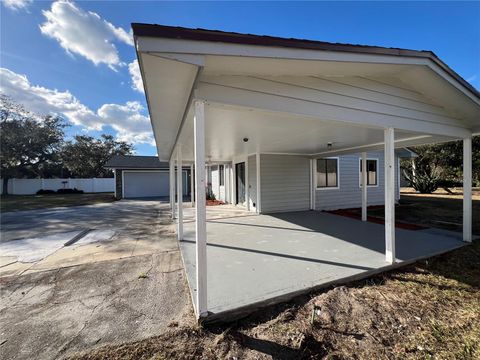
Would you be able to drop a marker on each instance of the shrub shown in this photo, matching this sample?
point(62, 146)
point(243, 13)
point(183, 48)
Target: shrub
point(45, 192)
point(426, 179)
point(210, 195)
point(69, 191)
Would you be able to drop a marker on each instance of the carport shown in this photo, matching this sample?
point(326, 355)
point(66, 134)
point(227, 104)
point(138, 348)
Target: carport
point(271, 104)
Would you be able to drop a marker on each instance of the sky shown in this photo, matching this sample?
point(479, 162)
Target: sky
point(76, 58)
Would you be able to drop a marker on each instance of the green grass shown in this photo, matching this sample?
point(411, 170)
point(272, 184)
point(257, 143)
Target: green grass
point(32, 202)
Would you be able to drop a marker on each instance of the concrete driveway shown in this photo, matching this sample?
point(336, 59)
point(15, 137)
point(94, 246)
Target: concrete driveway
point(122, 287)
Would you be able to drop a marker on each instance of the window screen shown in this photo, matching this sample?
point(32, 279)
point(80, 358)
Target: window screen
point(327, 173)
point(371, 172)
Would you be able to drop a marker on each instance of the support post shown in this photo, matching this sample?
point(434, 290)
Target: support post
point(467, 189)
point(179, 193)
point(172, 187)
point(364, 186)
point(314, 181)
point(200, 207)
point(192, 186)
point(259, 192)
point(389, 195)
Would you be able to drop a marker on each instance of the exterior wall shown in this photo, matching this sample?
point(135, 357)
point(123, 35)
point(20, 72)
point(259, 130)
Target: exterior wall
point(285, 183)
point(118, 184)
point(349, 193)
point(252, 182)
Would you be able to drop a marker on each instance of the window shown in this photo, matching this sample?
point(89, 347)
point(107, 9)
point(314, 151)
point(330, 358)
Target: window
point(221, 170)
point(372, 178)
point(327, 173)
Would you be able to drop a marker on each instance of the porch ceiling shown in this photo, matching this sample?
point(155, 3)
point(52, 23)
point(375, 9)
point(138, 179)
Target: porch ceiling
point(268, 132)
point(287, 99)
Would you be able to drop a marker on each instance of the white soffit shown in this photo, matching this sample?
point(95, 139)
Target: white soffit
point(267, 132)
point(168, 84)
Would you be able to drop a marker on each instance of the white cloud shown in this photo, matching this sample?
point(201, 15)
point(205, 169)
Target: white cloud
point(136, 76)
point(84, 33)
point(17, 4)
point(128, 120)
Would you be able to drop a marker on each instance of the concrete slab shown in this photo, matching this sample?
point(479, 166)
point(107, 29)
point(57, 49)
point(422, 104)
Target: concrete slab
point(258, 260)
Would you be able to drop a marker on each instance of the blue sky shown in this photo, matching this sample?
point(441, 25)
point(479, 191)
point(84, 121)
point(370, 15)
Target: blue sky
point(51, 63)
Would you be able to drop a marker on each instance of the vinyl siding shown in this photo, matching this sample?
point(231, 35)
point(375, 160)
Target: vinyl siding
point(252, 181)
point(285, 183)
point(349, 193)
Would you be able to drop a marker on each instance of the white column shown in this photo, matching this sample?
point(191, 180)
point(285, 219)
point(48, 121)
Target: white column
point(200, 207)
point(467, 189)
point(314, 180)
point(389, 196)
point(247, 184)
point(179, 193)
point(364, 186)
point(114, 183)
point(259, 192)
point(172, 187)
point(234, 184)
point(192, 186)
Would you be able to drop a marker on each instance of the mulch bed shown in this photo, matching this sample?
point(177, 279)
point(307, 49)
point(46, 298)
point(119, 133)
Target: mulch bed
point(353, 213)
point(214, 202)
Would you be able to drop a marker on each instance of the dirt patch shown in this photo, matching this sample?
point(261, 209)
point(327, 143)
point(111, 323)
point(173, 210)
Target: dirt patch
point(428, 310)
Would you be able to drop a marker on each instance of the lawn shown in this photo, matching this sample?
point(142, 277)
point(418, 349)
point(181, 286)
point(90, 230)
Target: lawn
point(429, 310)
point(32, 202)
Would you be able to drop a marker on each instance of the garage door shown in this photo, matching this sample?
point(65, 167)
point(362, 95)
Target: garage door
point(145, 184)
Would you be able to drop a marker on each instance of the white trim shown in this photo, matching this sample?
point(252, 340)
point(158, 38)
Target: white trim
point(259, 182)
point(172, 187)
point(179, 193)
point(114, 182)
point(192, 187)
point(364, 185)
point(360, 175)
point(467, 189)
point(389, 177)
point(247, 185)
point(200, 207)
point(338, 174)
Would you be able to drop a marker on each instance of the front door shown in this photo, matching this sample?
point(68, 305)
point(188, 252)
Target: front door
point(240, 188)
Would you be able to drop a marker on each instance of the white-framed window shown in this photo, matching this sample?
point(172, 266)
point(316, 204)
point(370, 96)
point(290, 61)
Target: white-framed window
point(221, 174)
point(372, 172)
point(328, 173)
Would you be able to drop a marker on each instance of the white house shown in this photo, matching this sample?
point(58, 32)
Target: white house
point(276, 114)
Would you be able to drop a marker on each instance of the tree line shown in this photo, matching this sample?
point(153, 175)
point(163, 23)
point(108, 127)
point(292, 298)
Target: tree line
point(35, 146)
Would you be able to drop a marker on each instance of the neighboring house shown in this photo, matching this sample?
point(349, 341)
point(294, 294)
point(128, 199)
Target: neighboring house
point(285, 182)
point(142, 177)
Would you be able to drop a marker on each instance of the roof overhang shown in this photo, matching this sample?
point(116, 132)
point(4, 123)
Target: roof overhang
point(288, 81)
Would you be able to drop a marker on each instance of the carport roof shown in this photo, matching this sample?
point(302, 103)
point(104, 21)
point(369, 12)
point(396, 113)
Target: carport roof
point(135, 162)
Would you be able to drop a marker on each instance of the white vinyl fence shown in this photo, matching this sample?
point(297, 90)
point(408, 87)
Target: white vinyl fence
point(31, 186)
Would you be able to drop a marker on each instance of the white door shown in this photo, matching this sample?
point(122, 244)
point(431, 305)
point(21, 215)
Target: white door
point(138, 184)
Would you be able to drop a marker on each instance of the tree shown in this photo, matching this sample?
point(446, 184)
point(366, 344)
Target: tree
point(86, 156)
point(30, 143)
point(441, 165)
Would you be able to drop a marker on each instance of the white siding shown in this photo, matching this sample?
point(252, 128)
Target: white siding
point(349, 194)
point(285, 183)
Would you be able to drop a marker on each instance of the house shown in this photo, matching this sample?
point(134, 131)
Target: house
point(275, 115)
point(340, 184)
point(143, 177)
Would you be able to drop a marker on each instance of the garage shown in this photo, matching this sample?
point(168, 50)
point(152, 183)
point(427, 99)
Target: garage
point(143, 177)
point(139, 184)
